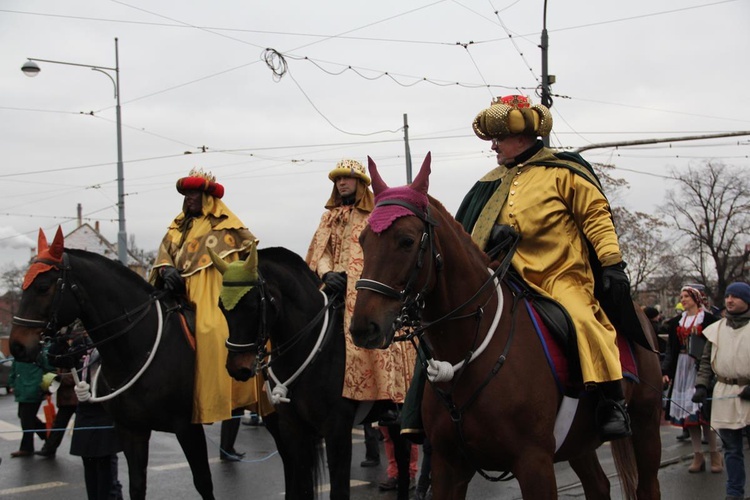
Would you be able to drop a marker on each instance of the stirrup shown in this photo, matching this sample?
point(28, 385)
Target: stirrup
point(612, 420)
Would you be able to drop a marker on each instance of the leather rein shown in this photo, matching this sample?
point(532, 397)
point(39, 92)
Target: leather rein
point(264, 356)
point(51, 327)
point(410, 316)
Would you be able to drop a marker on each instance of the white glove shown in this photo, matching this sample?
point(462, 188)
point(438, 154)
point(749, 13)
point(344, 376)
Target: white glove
point(83, 391)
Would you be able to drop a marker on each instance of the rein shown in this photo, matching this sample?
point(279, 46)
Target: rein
point(280, 391)
point(443, 371)
point(50, 327)
point(134, 379)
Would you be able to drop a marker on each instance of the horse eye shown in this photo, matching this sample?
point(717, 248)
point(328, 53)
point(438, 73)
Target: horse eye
point(42, 285)
point(406, 242)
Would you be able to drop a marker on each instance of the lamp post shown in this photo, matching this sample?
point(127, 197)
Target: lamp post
point(547, 79)
point(31, 69)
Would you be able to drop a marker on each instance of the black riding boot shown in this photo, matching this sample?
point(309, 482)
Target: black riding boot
point(612, 420)
point(229, 430)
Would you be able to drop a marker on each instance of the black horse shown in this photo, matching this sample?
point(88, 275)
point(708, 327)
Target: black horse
point(147, 362)
point(274, 295)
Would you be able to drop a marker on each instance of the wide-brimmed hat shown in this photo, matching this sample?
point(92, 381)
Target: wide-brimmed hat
point(349, 168)
point(198, 180)
point(513, 114)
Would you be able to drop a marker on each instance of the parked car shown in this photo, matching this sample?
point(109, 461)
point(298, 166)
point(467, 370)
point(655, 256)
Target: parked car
point(5, 366)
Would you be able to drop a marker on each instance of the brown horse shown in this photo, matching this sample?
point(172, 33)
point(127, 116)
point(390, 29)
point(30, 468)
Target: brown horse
point(499, 411)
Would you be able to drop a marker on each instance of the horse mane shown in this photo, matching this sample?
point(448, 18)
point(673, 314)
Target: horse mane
point(457, 228)
point(287, 259)
point(112, 266)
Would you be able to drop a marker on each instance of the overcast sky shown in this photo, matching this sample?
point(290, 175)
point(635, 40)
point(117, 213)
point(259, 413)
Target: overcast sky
point(192, 75)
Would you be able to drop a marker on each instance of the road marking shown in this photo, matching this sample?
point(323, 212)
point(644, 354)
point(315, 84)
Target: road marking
point(179, 465)
point(10, 432)
point(354, 483)
point(35, 487)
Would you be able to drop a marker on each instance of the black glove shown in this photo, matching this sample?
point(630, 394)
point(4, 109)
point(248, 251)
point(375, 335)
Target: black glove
point(501, 237)
point(615, 282)
point(59, 354)
point(701, 393)
point(745, 394)
point(335, 282)
point(172, 279)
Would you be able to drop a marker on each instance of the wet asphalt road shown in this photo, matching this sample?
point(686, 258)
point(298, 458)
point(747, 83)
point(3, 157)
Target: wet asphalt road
point(259, 475)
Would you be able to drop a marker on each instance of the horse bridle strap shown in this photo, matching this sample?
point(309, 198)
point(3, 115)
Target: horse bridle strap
point(61, 286)
point(411, 305)
point(251, 346)
point(279, 393)
point(378, 287)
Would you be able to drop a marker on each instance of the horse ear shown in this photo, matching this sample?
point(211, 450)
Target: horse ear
point(251, 263)
point(41, 244)
point(422, 182)
point(57, 247)
point(378, 186)
point(219, 263)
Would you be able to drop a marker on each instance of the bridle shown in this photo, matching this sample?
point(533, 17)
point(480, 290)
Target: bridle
point(50, 327)
point(410, 313)
point(412, 303)
point(278, 394)
point(265, 298)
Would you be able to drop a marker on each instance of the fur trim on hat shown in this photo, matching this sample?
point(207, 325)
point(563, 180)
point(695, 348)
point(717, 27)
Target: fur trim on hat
point(198, 180)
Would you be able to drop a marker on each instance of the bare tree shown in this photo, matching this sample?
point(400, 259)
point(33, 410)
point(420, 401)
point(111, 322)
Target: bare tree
point(642, 243)
point(710, 208)
point(643, 246)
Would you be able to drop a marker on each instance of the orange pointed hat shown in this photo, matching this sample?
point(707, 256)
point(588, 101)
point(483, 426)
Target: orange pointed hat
point(48, 256)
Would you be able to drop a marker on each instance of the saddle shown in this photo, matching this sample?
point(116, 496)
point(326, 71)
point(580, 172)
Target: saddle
point(554, 316)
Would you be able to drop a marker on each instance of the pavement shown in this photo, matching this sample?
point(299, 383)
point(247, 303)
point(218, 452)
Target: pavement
point(259, 475)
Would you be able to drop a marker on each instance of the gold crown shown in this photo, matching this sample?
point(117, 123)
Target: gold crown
point(199, 172)
point(512, 115)
point(349, 168)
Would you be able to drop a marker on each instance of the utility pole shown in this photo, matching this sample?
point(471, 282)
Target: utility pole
point(408, 151)
point(547, 79)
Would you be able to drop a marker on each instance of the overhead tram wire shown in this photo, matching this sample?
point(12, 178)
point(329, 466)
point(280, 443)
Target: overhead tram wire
point(371, 24)
point(278, 66)
point(392, 75)
point(315, 35)
point(474, 62)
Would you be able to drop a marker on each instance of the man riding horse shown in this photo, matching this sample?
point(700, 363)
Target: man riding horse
point(568, 244)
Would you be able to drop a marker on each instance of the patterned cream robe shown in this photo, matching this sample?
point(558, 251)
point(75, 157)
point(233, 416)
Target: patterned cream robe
point(370, 374)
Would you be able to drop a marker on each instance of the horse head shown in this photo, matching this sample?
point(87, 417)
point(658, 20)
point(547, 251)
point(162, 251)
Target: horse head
point(242, 301)
point(398, 249)
point(46, 301)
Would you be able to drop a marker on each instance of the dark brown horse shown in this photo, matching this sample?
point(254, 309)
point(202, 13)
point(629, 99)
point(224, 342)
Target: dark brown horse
point(148, 364)
point(499, 411)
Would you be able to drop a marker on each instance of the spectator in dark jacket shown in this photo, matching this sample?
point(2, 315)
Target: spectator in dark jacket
point(26, 380)
point(67, 402)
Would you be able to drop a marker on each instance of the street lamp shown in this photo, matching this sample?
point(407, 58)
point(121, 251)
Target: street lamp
point(31, 69)
point(547, 79)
